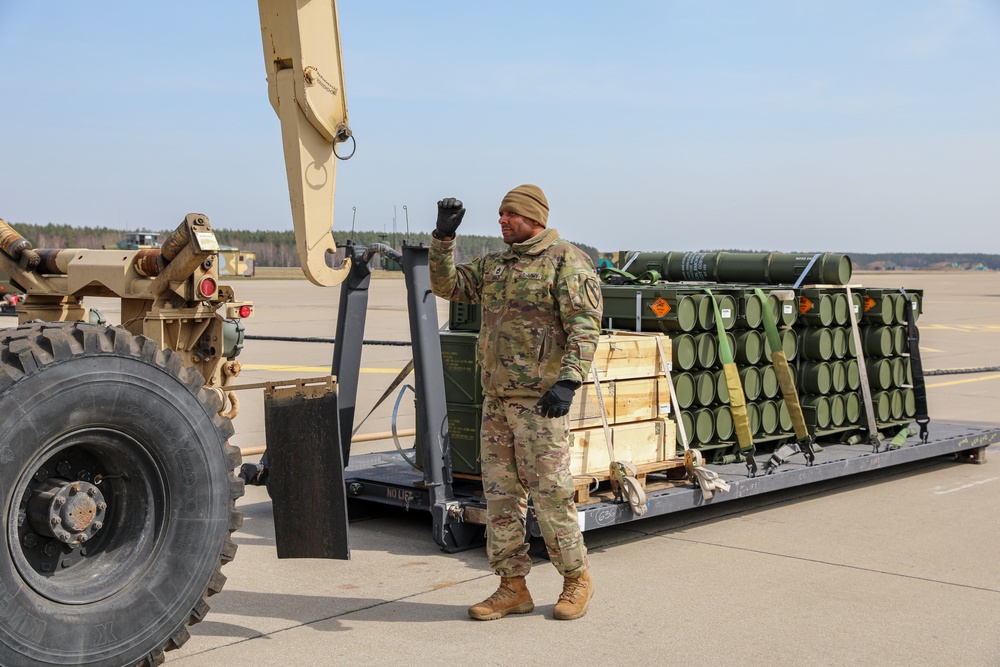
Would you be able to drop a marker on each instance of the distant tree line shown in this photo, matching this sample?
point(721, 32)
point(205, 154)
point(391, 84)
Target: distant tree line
point(277, 248)
point(271, 248)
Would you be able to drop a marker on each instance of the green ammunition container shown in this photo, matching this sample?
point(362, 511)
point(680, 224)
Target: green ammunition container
point(785, 311)
point(751, 310)
point(840, 338)
point(704, 426)
point(841, 305)
point(838, 410)
point(896, 404)
point(880, 307)
point(753, 418)
point(749, 346)
point(707, 348)
point(917, 297)
point(703, 310)
point(899, 368)
point(724, 426)
point(909, 403)
point(459, 357)
point(879, 373)
point(881, 403)
point(900, 339)
point(684, 351)
point(784, 417)
point(815, 308)
point(853, 374)
point(706, 311)
point(852, 407)
point(688, 421)
point(876, 341)
point(464, 423)
point(704, 393)
point(768, 416)
point(819, 406)
point(858, 303)
point(648, 308)
point(751, 381)
point(815, 377)
point(898, 308)
point(721, 388)
point(769, 385)
point(684, 385)
point(816, 343)
point(790, 344)
point(838, 375)
point(741, 267)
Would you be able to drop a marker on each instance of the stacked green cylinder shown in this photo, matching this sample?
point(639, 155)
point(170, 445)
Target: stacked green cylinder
point(816, 335)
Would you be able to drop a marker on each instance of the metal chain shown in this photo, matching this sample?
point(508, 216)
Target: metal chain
point(311, 72)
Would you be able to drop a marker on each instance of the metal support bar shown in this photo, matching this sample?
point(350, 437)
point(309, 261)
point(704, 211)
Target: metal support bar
point(350, 338)
point(428, 376)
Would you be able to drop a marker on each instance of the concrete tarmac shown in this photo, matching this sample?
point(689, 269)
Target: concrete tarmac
point(895, 567)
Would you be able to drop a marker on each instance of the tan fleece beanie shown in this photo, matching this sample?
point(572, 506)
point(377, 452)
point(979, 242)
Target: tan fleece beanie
point(528, 201)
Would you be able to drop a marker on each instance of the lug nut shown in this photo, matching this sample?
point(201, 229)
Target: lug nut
point(60, 501)
point(64, 468)
point(82, 537)
point(30, 540)
point(91, 491)
point(102, 506)
point(63, 536)
point(75, 488)
point(55, 521)
point(50, 548)
point(96, 526)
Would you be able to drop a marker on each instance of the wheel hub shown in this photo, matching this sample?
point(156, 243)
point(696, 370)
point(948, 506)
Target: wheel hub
point(70, 511)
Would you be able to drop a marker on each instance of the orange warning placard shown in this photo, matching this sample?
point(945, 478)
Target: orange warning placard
point(869, 303)
point(660, 307)
point(805, 305)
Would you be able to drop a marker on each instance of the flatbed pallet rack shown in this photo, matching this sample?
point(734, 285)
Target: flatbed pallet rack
point(385, 478)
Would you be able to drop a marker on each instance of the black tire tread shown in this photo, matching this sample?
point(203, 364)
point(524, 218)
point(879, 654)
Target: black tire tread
point(29, 348)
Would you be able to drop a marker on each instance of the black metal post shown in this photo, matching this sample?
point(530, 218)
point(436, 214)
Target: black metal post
point(349, 341)
point(432, 411)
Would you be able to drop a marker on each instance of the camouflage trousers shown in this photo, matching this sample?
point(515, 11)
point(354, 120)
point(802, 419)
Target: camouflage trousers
point(524, 452)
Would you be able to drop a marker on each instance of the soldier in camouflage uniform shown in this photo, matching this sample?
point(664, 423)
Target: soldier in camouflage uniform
point(541, 315)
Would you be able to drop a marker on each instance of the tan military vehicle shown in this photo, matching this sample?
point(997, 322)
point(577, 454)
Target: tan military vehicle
point(117, 483)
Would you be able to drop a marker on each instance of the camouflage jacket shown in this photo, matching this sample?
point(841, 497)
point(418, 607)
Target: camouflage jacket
point(541, 311)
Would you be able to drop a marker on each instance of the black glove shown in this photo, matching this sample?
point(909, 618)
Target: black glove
point(450, 214)
point(556, 401)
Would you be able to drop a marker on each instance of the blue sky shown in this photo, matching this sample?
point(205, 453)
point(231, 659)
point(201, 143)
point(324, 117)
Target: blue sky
point(671, 125)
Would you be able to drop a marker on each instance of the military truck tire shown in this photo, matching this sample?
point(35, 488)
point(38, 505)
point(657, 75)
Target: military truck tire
point(118, 497)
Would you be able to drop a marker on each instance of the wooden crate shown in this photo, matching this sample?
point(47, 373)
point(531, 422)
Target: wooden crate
point(625, 401)
point(639, 442)
point(623, 355)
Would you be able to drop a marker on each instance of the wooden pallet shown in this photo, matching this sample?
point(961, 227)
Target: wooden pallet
point(595, 488)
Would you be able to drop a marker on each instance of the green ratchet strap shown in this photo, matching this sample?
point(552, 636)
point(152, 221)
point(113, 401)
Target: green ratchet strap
point(737, 399)
point(788, 392)
point(612, 276)
point(916, 367)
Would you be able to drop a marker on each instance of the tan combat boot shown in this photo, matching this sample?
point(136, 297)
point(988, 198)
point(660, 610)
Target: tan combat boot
point(575, 597)
point(512, 597)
